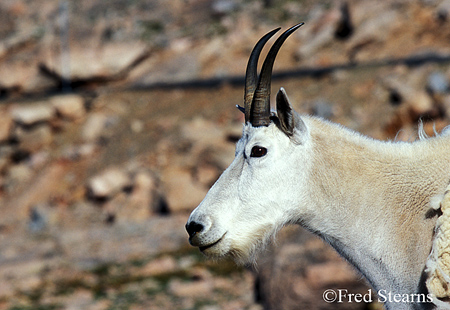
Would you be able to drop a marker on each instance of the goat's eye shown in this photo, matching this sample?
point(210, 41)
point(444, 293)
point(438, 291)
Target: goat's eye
point(258, 151)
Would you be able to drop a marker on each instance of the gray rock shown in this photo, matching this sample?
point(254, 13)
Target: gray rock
point(223, 7)
point(443, 11)
point(37, 220)
point(437, 83)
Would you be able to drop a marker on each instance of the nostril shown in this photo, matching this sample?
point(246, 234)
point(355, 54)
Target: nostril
point(193, 228)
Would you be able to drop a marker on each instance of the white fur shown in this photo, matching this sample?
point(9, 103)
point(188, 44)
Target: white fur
point(369, 199)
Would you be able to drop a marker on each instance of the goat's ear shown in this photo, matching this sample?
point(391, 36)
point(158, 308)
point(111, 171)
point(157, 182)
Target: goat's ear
point(289, 121)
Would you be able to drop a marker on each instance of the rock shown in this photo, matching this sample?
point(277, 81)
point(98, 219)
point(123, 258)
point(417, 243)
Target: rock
point(137, 205)
point(417, 100)
point(6, 124)
point(103, 61)
point(437, 83)
point(180, 67)
point(18, 174)
point(321, 33)
point(37, 221)
point(19, 61)
point(80, 299)
point(93, 127)
point(137, 126)
point(69, 106)
point(210, 142)
point(143, 195)
point(446, 104)
point(443, 11)
point(75, 152)
point(374, 29)
point(182, 193)
point(420, 102)
point(31, 114)
point(98, 243)
point(190, 289)
point(159, 266)
point(34, 139)
point(201, 130)
point(223, 7)
point(108, 183)
point(39, 159)
point(6, 152)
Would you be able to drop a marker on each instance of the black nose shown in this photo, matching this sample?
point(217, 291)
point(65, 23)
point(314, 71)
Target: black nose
point(193, 228)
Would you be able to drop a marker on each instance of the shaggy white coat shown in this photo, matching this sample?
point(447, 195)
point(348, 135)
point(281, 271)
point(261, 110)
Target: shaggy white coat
point(368, 199)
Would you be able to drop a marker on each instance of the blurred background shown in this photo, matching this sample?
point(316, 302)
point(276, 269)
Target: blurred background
point(117, 116)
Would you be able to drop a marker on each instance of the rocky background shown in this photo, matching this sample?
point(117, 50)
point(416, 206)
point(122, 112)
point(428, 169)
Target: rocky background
point(116, 117)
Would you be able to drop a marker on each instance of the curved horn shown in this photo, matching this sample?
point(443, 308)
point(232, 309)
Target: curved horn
point(251, 74)
point(260, 107)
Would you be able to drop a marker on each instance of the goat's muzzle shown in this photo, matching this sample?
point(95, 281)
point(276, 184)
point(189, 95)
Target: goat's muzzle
point(193, 228)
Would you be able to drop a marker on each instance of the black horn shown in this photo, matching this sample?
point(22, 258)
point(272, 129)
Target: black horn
point(251, 73)
point(260, 106)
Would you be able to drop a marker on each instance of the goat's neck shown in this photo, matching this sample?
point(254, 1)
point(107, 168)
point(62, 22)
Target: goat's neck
point(371, 202)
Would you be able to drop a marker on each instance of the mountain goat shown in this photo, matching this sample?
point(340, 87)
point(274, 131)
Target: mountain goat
point(370, 200)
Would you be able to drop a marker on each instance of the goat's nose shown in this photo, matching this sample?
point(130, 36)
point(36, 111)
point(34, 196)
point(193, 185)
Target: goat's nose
point(193, 227)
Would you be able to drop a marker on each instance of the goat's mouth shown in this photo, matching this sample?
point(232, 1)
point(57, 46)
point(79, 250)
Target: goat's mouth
point(206, 247)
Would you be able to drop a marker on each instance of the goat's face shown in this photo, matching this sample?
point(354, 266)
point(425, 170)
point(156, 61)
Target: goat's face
point(253, 198)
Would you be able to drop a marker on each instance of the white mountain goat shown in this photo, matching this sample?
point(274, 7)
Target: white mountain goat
point(371, 200)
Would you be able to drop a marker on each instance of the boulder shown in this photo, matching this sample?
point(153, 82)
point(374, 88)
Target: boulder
point(142, 197)
point(35, 138)
point(136, 206)
point(108, 183)
point(31, 114)
point(69, 106)
point(183, 193)
point(93, 127)
point(94, 61)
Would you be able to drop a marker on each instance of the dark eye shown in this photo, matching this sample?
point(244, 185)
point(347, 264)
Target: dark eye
point(258, 151)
